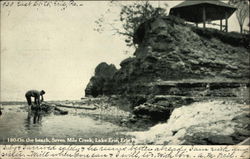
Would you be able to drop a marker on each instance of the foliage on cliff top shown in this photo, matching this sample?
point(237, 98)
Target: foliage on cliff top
point(232, 38)
point(130, 17)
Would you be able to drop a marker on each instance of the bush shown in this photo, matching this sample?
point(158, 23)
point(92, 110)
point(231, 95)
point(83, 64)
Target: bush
point(232, 38)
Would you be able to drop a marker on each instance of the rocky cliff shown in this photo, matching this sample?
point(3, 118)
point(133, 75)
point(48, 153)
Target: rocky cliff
point(176, 64)
point(101, 82)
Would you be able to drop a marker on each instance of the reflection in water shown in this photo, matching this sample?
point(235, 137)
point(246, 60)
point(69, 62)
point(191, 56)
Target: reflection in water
point(17, 121)
point(34, 117)
point(0, 110)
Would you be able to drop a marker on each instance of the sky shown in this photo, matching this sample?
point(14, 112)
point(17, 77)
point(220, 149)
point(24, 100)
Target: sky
point(56, 49)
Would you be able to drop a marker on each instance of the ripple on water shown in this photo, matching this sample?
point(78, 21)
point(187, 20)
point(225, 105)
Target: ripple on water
point(14, 123)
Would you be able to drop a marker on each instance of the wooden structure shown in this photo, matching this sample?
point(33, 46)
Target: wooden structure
point(203, 11)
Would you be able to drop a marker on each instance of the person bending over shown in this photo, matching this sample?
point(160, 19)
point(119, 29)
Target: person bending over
point(36, 94)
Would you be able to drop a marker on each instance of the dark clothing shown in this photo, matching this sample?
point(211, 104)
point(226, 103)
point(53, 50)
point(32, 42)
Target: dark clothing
point(33, 93)
point(28, 99)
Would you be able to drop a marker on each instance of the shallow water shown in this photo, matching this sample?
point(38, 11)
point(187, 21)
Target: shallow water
point(17, 122)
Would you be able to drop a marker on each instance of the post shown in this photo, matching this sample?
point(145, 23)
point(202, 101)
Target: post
point(196, 24)
point(226, 16)
point(204, 16)
point(221, 25)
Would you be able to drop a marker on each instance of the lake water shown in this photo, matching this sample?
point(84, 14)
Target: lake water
point(18, 124)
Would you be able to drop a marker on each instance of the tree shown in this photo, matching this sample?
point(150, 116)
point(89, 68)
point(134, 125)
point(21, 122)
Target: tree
point(242, 11)
point(131, 16)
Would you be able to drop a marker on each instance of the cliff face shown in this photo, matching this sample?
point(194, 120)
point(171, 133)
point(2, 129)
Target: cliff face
point(170, 50)
point(177, 64)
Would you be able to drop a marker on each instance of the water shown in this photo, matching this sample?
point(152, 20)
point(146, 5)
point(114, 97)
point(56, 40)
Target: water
point(207, 118)
point(17, 122)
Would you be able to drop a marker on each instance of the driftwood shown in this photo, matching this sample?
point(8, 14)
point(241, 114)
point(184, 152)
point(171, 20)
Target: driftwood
point(47, 107)
point(62, 112)
point(76, 107)
point(68, 106)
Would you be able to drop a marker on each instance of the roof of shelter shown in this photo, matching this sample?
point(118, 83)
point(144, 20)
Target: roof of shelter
point(193, 10)
point(213, 2)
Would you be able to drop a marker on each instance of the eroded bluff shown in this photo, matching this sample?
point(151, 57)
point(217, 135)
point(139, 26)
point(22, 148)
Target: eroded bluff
point(177, 64)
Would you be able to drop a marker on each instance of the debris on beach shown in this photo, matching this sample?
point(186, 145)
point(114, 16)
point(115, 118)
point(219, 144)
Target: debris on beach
point(62, 112)
point(73, 104)
point(48, 108)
